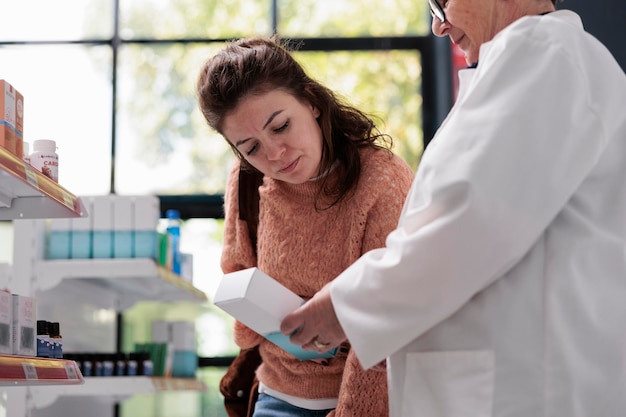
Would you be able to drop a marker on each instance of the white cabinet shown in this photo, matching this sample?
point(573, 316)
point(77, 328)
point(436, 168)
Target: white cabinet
point(26, 194)
point(31, 384)
point(76, 291)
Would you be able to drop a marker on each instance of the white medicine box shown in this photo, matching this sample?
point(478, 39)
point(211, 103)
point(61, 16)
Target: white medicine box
point(6, 323)
point(24, 325)
point(260, 302)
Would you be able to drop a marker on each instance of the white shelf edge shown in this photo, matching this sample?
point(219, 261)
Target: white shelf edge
point(25, 193)
point(114, 389)
point(132, 279)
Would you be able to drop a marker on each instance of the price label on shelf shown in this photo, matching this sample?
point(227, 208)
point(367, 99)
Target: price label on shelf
point(67, 200)
point(30, 372)
point(70, 371)
point(31, 176)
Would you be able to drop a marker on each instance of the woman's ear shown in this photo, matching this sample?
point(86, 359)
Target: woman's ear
point(315, 111)
point(308, 95)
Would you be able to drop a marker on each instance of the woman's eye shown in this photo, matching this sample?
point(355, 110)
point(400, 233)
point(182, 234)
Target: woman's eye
point(282, 127)
point(252, 150)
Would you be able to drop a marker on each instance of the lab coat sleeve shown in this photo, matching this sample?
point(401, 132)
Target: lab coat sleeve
point(513, 150)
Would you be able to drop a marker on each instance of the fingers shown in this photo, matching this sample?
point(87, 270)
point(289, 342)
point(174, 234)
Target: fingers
point(314, 325)
point(304, 334)
point(291, 323)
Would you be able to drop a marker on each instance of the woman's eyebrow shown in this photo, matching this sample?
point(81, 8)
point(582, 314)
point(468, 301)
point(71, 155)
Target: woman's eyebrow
point(269, 120)
point(272, 116)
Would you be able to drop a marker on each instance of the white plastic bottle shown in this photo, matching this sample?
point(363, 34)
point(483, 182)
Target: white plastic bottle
point(44, 158)
point(26, 152)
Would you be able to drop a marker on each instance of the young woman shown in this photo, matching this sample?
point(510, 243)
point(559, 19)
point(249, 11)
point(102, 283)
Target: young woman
point(332, 190)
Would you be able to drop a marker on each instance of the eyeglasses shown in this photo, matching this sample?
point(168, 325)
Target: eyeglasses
point(437, 11)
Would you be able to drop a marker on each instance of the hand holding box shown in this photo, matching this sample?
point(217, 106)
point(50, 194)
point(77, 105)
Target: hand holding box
point(260, 302)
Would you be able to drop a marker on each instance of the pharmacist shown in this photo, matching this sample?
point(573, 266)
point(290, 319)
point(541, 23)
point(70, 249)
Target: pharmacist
point(502, 292)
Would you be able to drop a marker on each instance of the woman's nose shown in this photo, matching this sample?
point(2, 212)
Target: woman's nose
point(275, 150)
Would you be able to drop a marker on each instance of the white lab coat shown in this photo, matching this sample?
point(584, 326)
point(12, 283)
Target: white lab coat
point(503, 290)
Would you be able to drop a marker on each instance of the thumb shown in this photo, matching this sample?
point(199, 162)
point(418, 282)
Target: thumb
point(291, 323)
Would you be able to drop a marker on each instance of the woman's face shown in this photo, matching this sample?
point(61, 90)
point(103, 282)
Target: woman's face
point(470, 23)
point(277, 134)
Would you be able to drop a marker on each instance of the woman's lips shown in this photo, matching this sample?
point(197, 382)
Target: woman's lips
point(289, 168)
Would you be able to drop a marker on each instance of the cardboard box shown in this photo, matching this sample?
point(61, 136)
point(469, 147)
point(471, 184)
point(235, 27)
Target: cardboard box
point(123, 227)
point(59, 238)
point(260, 302)
point(11, 119)
point(102, 226)
point(146, 214)
point(24, 325)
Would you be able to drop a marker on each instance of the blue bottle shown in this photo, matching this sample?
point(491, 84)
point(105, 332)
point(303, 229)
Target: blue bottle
point(173, 240)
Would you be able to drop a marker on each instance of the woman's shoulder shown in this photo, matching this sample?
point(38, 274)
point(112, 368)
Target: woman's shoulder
point(382, 160)
point(384, 171)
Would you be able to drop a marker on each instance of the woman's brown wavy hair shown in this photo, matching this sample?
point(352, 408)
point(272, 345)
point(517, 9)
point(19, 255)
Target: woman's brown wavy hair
point(254, 66)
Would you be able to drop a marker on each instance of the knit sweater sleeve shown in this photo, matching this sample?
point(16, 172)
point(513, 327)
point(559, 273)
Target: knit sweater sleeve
point(388, 178)
point(391, 178)
point(362, 393)
point(237, 252)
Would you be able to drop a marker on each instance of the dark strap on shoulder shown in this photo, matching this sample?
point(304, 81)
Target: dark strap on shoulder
point(249, 183)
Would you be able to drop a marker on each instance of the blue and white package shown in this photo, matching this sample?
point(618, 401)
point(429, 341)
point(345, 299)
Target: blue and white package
point(260, 302)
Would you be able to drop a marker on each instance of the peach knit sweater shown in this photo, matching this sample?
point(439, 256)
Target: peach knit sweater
point(304, 248)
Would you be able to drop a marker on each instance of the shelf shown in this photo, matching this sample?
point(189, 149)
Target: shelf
point(115, 388)
point(25, 370)
point(132, 280)
point(25, 193)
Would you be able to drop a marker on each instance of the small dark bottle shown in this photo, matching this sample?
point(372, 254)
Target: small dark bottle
point(108, 364)
point(56, 340)
point(87, 360)
point(146, 366)
point(98, 368)
point(120, 364)
point(43, 339)
point(132, 365)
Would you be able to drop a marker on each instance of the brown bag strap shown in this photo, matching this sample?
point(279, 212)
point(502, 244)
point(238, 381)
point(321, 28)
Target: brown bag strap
point(239, 384)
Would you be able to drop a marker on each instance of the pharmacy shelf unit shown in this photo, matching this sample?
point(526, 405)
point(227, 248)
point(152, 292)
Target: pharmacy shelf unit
point(113, 389)
point(111, 284)
point(25, 193)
